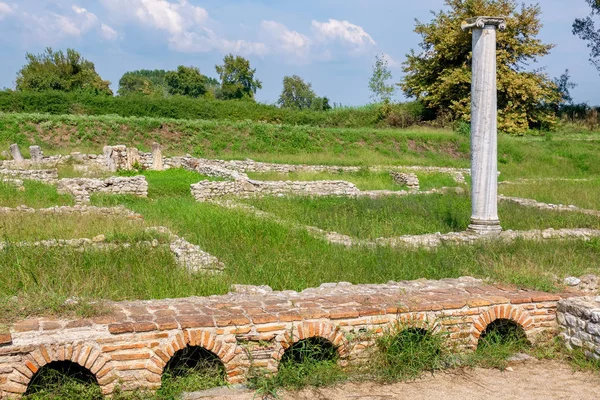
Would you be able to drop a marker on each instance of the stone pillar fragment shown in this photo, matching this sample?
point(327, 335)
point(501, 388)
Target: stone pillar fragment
point(109, 162)
point(36, 154)
point(16, 153)
point(484, 125)
point(157, 160)
point(133, 157)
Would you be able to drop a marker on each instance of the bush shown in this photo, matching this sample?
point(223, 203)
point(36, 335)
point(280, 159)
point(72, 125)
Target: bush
point(180, 107)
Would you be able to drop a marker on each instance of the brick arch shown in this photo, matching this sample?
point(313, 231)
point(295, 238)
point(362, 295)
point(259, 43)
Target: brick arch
point(518, 315)
point(84, 355)
point(309, 329)
point(225, 351)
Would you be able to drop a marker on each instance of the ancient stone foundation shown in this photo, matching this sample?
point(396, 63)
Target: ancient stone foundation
point(579, 321)
point(49, 176)
point(208, 190)
point(83, 188)
point(130, 347)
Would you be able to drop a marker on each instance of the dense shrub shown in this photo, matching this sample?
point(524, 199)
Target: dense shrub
point(179, 107)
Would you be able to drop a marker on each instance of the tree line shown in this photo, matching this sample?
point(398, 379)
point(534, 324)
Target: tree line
point(437, 75)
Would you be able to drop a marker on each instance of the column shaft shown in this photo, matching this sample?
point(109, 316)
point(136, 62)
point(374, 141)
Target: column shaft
point(484, 133)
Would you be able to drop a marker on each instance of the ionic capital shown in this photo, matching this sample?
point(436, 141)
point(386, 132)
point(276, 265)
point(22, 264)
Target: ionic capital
point(481, 22)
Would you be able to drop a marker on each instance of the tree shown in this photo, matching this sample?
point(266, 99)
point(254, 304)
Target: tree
point(380, 89)
point(186, 81)
point(320, 104)
point(143, 82)
point(564, 86)
point(58, 71)
point(585, 28)
point(296, 93)
point(237, 78)
point(440, 74)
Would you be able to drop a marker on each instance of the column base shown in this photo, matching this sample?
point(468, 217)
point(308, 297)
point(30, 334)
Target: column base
point(485, 227)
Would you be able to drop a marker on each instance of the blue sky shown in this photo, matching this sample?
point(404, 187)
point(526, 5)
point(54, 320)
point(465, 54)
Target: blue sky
point(330, 43)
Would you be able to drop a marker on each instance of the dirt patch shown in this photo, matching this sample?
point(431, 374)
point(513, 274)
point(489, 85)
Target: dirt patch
point(532, 380)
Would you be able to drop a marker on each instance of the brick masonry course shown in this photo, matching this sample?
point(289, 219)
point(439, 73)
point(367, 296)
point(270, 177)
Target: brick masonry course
point(131, 346)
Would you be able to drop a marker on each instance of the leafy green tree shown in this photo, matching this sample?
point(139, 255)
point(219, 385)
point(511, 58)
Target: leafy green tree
point(296, 93)
point(440, 74)
point(55, 70)
point(586, 29)
point(237, 78)
point(381, 91)
point(320, 104)
point(186, 81)
point(144, 82)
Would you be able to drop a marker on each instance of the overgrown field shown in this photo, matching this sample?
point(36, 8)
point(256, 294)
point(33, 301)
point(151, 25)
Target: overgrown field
point(569, 155)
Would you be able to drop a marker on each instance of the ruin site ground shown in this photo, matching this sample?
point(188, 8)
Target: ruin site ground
point(299, 261)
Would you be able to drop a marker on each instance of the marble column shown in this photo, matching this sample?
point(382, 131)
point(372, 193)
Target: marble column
point(484, 125)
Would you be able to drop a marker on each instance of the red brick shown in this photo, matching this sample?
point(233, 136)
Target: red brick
point(117, 329)
point(27, 325)
point(144, 326)
point(542, 297)
point(5, 338)
point(130, 356)
point(199, 321)
point(166, 323)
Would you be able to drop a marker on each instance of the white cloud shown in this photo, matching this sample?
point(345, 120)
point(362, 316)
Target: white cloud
point(6, 9)
point(107, 32)
point(287, 41)
point(391, 62)
point(52, 27)
point(348, 33)
point(207, 40)
point(185, 24)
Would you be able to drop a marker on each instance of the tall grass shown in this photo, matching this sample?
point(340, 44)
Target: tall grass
point(36, 195)
point(368, 218)
point(584, 194)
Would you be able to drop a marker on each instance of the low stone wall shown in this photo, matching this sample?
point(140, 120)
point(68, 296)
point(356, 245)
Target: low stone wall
point(547, 206)
point(579, 323)
point(49, 176)
point(70, 210)
point(408, 179)
point(82, 188)
point(130, 347)
point(187, 255)
point(208, 190)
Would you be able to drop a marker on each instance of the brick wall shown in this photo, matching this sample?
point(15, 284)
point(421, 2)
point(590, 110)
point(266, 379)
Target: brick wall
point(130, 347)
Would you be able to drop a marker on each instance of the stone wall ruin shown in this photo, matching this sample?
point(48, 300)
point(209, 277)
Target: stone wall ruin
point(83, 188)
point(209, 190)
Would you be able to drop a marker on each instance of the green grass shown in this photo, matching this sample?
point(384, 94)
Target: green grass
point(36, 195)
point(584, 194)
point(258, 252)
point(367, 218)
point(33, 227)
point(37, 281)
point(363, 179)
point(406, 352)
point(435, 180)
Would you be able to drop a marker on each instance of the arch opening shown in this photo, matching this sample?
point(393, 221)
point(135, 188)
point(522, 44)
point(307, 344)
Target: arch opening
point(314, 349)
point(408, 352)
point(309, 362)
point(190, 369)
point(503, 332)
point(64, 379)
